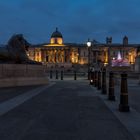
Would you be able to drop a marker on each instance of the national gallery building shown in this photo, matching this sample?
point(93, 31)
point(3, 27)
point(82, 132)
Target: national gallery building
point(60, 54)
point(57, 53)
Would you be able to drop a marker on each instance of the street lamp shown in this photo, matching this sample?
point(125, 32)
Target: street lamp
point(89, 43)
point(89, 46)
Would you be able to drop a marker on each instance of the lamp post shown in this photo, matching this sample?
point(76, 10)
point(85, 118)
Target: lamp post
point(89, 46)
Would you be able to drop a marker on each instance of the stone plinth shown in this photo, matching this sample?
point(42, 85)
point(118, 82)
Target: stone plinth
point(22, 75)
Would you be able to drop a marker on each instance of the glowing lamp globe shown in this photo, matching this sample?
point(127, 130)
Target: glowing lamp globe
point(88, 43)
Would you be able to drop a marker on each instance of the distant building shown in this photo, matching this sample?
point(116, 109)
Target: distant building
point(105, 53)
point(60, 54)
point(57, 53)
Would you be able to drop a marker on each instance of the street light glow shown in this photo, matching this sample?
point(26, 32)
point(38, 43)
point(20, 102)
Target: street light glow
point(88, 43)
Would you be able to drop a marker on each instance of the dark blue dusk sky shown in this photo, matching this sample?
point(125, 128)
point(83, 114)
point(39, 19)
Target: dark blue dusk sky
point(77, 20)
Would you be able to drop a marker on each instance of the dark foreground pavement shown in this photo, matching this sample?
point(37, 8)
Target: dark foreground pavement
point(69, 110)
point(8, 93)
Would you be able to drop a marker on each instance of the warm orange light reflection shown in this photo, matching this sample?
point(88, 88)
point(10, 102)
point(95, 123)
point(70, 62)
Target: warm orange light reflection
point(56, 41)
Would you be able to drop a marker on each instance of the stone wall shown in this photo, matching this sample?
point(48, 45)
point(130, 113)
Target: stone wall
point(22, 74)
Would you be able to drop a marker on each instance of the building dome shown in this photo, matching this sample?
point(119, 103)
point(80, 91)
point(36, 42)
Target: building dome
point(56, 37)
point(56, 34)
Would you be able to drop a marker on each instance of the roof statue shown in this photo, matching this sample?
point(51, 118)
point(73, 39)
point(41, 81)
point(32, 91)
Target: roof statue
point(15, 51)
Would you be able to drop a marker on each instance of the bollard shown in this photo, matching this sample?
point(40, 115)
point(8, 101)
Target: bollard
point(61, 75)
point(104, 90)
point(91, 78)
point(89, 75)
point(123, 106)
point(56, 74)
point(96, 78)
point(50, 74)
point(111, 95)
point(92, 81)
point(75, 75)
point(99, 80)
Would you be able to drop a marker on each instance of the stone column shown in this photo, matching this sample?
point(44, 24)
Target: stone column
point(57, 56)
point(111, 95)
point(45, 54)
point(48, 56)
point(63, 52)
point(123, 106)
point(52, 56)
point(68, 56)
point(42, 55)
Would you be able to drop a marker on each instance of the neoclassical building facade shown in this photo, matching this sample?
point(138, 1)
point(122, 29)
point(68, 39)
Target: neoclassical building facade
point(107, 52)
point(57, 53)
point(60, 54)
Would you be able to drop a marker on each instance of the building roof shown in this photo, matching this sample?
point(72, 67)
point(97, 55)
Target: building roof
point(116, 45)
point(96, 45)
point(56, 34)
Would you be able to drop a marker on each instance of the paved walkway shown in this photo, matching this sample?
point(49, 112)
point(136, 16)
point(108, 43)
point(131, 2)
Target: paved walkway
point(20, 98)
point(11, 92)
point(68, 110)
point(131, 120)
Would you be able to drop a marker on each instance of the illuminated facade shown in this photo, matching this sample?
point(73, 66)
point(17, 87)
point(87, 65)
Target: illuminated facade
point(109, 51)
point(57, 53)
